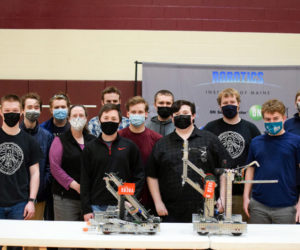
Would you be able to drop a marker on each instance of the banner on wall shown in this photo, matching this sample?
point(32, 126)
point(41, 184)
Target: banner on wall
point(202, 83)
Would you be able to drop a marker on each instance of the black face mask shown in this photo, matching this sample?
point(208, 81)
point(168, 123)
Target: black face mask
point(164, 112)
point(229, 111)
point(11, 119)
point(119, 106)
point(182, 121)
point(109, 128)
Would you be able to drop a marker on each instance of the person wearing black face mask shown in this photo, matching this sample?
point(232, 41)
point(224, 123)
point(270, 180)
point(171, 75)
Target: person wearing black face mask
point(110, 95)
point(174, 202)
point(108, 153)
point(236, 135)
point(162, 123)
point(32, 104)
point(19, 167)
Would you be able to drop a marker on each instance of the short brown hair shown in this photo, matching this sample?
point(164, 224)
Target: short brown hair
point(60, 96)
point(297, 94)
point(163, 92)
point(108, 107)
point(179, 103)
point(273, 106)
point(110, 89)
point(11, 98)
point(229, 92)
point(31, 95)
point(136, 100)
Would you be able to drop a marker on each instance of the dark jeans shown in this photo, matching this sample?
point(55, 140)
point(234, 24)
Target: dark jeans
point(14, 212)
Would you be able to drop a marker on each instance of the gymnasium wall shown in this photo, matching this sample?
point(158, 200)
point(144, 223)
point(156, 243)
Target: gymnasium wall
point(84, 45)
point(80, 92)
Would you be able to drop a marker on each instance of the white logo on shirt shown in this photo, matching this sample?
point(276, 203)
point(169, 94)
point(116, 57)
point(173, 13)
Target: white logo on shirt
point(233, 142)
point(203, 153)
point(11, 158)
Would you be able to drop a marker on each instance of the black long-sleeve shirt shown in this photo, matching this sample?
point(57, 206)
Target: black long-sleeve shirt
point(122, 157)
point(165, 164)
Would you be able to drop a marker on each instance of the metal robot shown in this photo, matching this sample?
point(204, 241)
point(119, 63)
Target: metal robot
point(208, 222)
point(128, 217)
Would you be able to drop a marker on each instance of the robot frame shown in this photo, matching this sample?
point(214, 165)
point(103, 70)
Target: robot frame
point(128, 217)
point(207, 222)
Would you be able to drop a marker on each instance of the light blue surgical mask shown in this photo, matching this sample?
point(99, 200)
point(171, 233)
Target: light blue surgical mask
point(136, 120)
point(60, 114)
point(273, 128)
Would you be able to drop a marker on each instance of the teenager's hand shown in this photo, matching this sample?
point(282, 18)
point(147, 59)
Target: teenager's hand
point(161, 209)
point(221, 205)
point(246, 203)
point(29, 210)
point(74, 185)
point(88, 216)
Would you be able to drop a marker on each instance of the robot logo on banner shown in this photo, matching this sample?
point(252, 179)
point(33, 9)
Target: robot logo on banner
point(233, 77)
point(201, 84)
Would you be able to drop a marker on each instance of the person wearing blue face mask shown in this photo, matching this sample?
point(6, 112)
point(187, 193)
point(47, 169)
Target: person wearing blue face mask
point(59, 108)
point(293, 125)
point(278, 153)
point(57, 125)
point(144, 138)
point(236, 135)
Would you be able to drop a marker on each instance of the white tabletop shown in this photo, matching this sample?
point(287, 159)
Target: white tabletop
point(171, 235)
point(70, 234)
point(260, 237)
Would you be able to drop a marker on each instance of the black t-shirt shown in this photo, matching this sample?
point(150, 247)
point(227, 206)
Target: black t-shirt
point(17, 154)
point(165, 164)
point(236, 139)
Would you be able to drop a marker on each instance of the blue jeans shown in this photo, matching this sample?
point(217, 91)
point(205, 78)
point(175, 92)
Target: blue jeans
point(97, 208)
point(14, 212)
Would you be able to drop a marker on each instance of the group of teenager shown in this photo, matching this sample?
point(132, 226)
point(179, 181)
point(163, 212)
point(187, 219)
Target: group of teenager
point(55, 170)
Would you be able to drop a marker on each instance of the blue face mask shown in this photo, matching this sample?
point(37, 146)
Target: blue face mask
point(273, 128)
point(60, 114)
point(136, 120)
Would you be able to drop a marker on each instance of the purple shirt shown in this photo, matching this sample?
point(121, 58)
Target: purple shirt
point(55, 158)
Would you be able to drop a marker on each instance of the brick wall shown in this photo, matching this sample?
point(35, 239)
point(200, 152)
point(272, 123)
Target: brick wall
point(198, 15)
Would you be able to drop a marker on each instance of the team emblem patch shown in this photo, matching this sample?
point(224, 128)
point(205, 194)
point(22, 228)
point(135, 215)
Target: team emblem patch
point(233, 142)
point(11, 158)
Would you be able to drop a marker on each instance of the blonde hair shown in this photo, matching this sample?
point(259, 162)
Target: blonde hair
point(229, 92)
